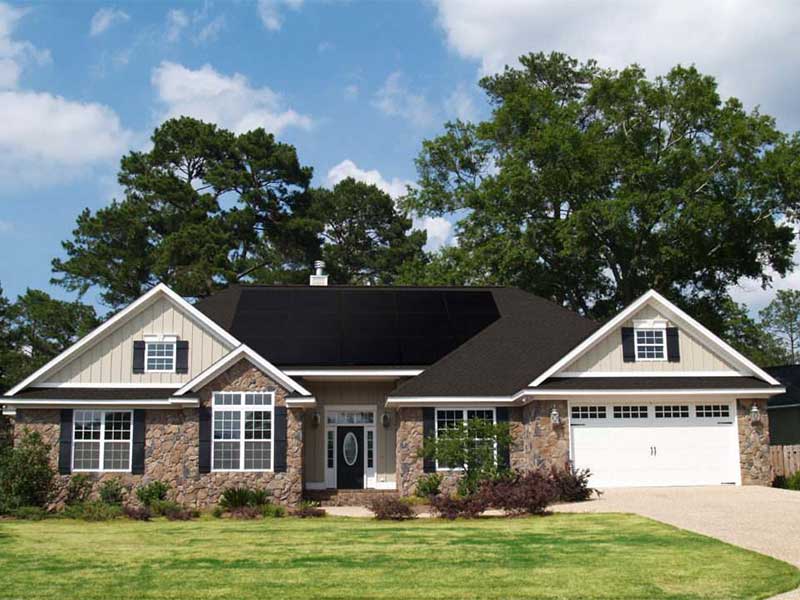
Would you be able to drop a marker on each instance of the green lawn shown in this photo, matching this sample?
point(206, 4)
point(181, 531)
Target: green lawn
point(560, 556)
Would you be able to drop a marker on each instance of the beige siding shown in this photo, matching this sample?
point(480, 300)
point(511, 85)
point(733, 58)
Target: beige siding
point(606, 355)
point(330, 393)
point(110, 360)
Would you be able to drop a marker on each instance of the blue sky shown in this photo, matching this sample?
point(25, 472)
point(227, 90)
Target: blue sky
point(355, 86)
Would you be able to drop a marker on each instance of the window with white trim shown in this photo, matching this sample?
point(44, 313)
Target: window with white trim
point(672, 411)
point(370, 449)
point(450, 418)
point(630, 412)
point(713, 411)
point(588, 412)
point(159, 357)
point(651, 344)
point(102, 440)
point(242, 431)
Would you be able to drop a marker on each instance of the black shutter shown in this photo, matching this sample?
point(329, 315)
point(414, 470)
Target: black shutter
point(204, 459)
point(503, 451)
point(280, 439)
point(182, 357)
point(137, 458)
point(65, 443)
point(673, 345)
point(138, 357)
point(628, 348)
point(428, 431)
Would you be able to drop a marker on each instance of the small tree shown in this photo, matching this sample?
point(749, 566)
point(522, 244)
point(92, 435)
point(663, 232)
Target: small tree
point(471, 448)
point(782, 317)
point(26, 476)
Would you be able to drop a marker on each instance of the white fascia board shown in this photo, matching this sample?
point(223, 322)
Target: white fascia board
point(243, 351)
point(115, 386)
point(348, 373)
point(537, 394)
point(159, 290)
point(449, 400)
point(678, 316)
point(56, 403)
point(595, 374)
point(309, 402)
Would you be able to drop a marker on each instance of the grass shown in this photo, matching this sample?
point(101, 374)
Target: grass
point(560, 556)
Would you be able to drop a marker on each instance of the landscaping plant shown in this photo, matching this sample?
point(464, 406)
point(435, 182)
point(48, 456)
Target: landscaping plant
point(93, 510)
point(521, 493)
point(155, 490)
point(79, 488)
point(389, 508)
point(26, 475)
point(428, 485)
point(572, 485)
point(308, 508)
point(112, 491)
point(452, 507)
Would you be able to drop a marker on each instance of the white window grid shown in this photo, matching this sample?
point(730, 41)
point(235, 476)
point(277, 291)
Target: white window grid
point(331, 448)
point(370, 449)
point(448, 418)
point(243, 431)
point(672, 411)
point(630, 412)
point(102, 440)
point(159, 357)
point(651, 344)
point(719, 411)
point(588, 412)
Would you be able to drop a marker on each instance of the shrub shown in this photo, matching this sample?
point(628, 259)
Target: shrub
point(236, 497)
point(137, 513)
point(308, 508)
point(260, 497)
point(271, 511)
point(217, 512)
point(181, 513)
point(245, 512)
point(153, 491)
point(572, 485)
point(79, 488)
point(428, 485)
point(112, 491)
point(95, 510)
point(531, 492)
point(26, 476)
point(29, 513)
point(453, 507)
point(387, 508)
point(160, 508)
point(793, 481)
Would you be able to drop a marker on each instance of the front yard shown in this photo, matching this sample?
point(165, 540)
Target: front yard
point(559, 556)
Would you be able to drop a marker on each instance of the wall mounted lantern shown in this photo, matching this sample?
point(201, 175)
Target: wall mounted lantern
point(555, 418)
point(386, 420)
point(315, 419)
point(755, 414)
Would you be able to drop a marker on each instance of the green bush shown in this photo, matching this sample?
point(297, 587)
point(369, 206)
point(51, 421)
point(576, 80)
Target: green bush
point(26, 476)
point(236, 497)
point(137, 513)
point(260, 497)
point(153, 491)
point(270, 511)
point(428, 485)
point(793, 482)
point(112, 491)
point(308, 508)
point(29, 513)
point(160, 508)
point(79, 488)
point(217, 512)
point(94, 510)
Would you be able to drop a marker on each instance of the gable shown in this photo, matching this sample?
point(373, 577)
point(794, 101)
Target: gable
point(109, 359)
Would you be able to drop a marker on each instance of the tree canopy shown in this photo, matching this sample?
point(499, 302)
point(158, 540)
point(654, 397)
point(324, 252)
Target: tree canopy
point(590, 186)
point(781, 317)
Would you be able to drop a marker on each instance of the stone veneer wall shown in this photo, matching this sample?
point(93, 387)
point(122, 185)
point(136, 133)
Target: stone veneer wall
point(172, 448)
point(754, 443)
point(409, 442)
point(545, 445)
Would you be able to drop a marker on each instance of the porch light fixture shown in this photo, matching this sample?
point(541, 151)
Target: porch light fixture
point(555, 418)
point(315, 420)
point(386, 420)
point(755, 414)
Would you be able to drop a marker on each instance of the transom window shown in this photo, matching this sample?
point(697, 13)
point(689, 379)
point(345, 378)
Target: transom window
point(630, 412)
point(242, 431)
point(713, 410)
point(350, 417)
point(450, 418)
point(102, 440)
point(650, 344)
point(588, 412)
point(159, 357)
point(672, 411)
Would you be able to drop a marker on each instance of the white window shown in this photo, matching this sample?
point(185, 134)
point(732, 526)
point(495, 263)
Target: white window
point(672, 411)
point(651, 344)
point(159, 357)
point(450, 418)
point(713, 411)
point(588, 412)
point(242, 431)
point(630, 412)
point(102, 440)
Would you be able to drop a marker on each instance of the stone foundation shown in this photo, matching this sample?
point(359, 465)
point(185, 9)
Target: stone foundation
point(172, 448)
point(754, 443)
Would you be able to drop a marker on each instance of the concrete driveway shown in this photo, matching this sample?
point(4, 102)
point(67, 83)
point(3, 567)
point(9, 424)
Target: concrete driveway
point(766, 520)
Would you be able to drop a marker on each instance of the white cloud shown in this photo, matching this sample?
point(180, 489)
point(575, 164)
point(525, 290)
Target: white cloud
point(211, 30)
point(395, 99)
point(749, 46)
point(105, 18)
point(270, 12)
point(230, 102)
point(461, 105)
point(15, 54)
point(177, 21)
point(439, 230)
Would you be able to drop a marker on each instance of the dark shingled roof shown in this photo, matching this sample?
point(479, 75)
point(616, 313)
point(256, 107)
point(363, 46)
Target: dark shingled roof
point(94, 394)
point(506, 356)
point(789, 376)
point(653, 383)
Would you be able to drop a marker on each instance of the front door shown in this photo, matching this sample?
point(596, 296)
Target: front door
point(350, 458)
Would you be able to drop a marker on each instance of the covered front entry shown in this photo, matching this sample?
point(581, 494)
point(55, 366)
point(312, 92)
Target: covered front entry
point(656, 443)
point(350, 458)
point(350, 445)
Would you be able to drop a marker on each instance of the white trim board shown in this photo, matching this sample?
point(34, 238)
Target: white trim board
point(676, 315)
point(353, 373)
point(115, 386)
point(243, 351)
point(122, 404)
point(127, 312)
point(594, 374)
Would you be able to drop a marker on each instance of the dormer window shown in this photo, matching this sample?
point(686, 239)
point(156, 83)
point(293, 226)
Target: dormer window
point(159, 354)
point(650, 338)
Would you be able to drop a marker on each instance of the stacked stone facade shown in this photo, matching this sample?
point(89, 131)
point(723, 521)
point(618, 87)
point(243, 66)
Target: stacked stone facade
point(172, 447)
point(754, 443)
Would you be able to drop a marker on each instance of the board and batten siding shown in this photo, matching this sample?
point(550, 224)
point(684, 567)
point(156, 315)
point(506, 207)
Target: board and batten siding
point(110, 360)
point(606, 355)
point(349, 393)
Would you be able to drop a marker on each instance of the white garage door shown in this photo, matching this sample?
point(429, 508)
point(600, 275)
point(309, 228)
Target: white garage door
point(653, 444)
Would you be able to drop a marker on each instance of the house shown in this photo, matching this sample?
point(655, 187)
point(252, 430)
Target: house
point(305, 388)
point(784, 409)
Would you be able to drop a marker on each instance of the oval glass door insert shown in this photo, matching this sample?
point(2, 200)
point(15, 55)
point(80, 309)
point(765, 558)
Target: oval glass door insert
point(350, 449)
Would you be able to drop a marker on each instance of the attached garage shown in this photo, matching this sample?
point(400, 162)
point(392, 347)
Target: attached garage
point(656, 443)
